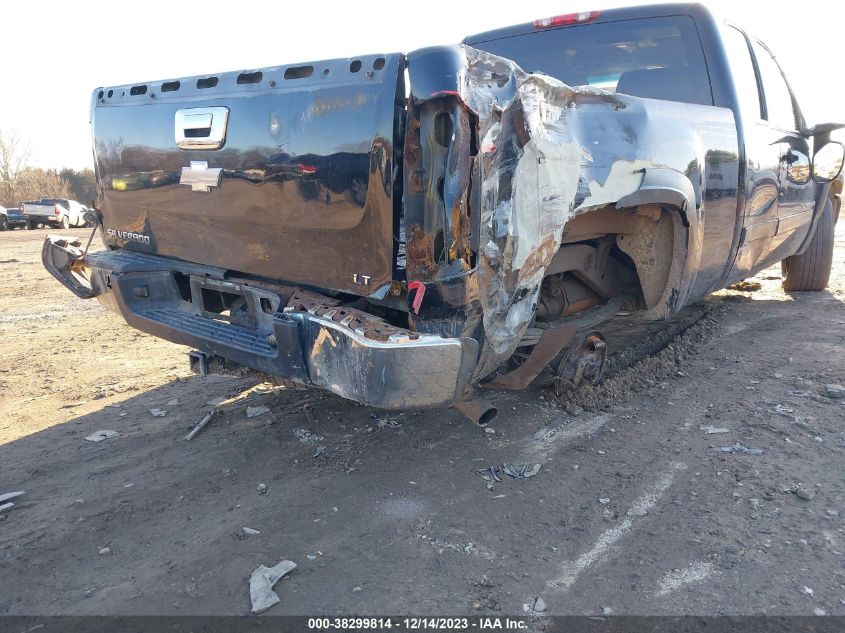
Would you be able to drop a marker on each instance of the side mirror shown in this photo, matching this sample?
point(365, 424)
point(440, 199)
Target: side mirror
point(827, 162)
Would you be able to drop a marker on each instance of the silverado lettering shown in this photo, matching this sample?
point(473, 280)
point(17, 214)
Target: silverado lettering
point(126, 235)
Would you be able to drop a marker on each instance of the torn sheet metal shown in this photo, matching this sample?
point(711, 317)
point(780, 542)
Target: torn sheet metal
point(546, 152)
point(532, 160)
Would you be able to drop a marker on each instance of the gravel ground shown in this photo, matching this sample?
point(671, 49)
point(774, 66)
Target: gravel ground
point(635, 509)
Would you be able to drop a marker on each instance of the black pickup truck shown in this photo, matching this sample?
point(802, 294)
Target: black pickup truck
point(397, 228)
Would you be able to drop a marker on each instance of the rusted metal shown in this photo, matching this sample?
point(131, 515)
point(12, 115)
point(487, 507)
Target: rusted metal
point(477, 410)
point(549, 346)
point(582, 363)
point(358, 321)
point(419, 251)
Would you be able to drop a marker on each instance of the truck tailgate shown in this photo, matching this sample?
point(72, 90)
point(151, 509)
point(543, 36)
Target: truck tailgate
point(285, 172)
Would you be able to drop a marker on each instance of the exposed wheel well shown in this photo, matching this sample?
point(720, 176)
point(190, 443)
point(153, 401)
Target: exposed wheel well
point(638, 252)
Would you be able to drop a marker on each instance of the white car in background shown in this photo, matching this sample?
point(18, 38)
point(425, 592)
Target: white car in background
point(56, 212)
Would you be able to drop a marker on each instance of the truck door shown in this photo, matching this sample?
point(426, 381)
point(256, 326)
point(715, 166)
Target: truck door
point(796, 189)
point(762, 154)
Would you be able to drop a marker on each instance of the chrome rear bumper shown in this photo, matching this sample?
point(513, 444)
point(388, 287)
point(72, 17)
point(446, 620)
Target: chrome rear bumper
point(406, 370)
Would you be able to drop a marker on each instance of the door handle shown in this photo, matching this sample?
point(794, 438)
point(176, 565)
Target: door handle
point(201, 128)
point(198, 122)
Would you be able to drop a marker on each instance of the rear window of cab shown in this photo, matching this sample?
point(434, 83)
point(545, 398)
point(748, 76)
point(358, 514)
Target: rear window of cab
point(657, 58)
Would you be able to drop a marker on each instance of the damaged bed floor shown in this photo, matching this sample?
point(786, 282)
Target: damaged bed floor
point(633, 511)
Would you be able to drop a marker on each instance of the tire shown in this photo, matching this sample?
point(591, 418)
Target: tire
point(28, 226)
point(811, 269)
point(4, 223)
point(65, 223)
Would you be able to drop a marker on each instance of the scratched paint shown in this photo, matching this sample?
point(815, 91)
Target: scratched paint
point(540, 166)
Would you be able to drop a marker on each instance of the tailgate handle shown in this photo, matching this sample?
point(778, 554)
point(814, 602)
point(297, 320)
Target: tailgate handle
point(201, 128)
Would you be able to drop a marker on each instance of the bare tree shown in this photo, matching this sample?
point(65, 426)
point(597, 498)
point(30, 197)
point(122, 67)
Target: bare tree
point(34, 183)
point(14, 155)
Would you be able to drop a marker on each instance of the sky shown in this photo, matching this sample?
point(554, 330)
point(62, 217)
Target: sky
point(55, 53)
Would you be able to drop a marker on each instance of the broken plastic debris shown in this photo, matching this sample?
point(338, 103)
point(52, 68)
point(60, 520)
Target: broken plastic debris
point(739, 448)
point(173, 402)
point(252, 412)
point(261, 583)
point(99, 436)
point(158, 413)
point(531, 471)
point(4, 498)
point(307, 437)
point(537, 605)
point(250, 531)
point(712, 430)
point(524, 472)
point(11, 495)
point(495, 472)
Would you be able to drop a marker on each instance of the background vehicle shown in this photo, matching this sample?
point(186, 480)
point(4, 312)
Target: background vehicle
point(11, 218)
point(396, 251)
point(55, 212)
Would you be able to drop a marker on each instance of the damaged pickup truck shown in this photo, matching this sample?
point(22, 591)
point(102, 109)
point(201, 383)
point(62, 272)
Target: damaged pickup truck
point(397, 228)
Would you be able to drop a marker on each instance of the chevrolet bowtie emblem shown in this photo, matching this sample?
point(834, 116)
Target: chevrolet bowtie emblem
point(200, 177)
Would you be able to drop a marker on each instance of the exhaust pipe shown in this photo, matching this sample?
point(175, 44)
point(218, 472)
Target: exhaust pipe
point(477, 410)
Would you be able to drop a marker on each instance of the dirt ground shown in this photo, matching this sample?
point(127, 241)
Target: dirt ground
point(634, 509)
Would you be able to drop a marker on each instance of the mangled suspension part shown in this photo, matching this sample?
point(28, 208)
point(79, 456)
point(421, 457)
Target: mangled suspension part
point(549, 341)
point(544, 351)
point(582, 362)
point(563, 295)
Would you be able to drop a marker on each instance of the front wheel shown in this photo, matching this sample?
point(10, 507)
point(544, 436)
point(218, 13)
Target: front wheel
point(65, 223)
point(811, 269)
point(4, 223)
